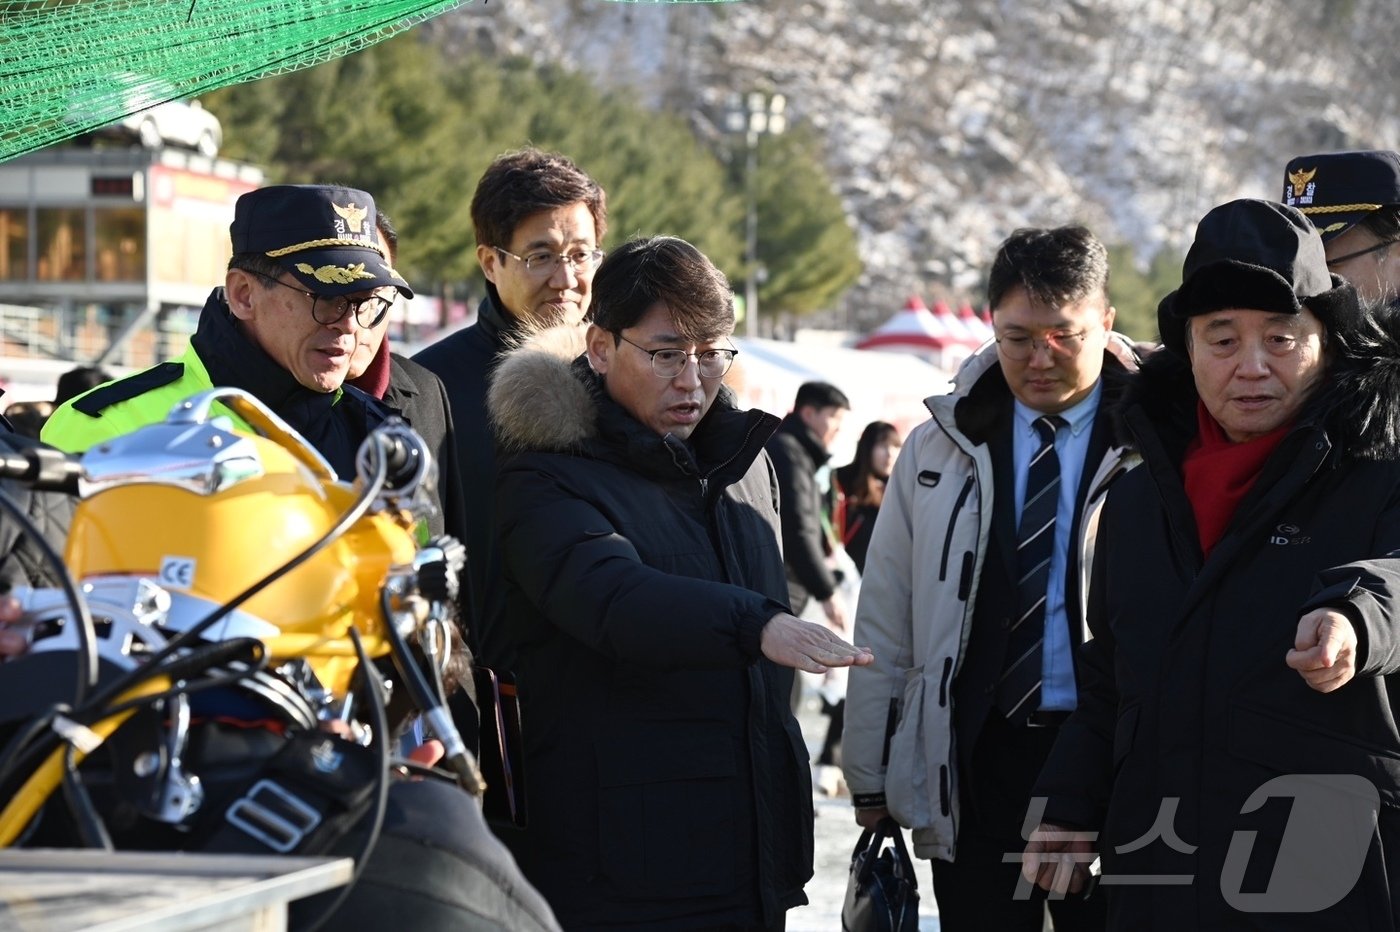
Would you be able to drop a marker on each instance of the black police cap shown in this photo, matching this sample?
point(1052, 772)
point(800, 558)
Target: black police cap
point(1336, 190)
point(324, 235)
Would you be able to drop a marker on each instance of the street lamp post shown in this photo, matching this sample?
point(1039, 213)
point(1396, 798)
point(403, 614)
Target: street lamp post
point(755, 114)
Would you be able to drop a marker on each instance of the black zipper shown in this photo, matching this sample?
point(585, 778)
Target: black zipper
point(705, 479)
point(952, 522)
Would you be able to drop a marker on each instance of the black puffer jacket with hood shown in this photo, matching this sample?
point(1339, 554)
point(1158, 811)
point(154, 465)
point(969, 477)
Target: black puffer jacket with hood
point(667, 781)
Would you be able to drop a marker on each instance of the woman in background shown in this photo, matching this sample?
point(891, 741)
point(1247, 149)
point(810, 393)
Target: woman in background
point(857, 490)
point(860, 487)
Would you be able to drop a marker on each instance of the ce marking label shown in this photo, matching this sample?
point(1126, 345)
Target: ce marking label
point(177, 572)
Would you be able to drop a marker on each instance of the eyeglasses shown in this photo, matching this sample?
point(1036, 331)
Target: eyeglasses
point(669, 363)
point(327, 310)
point(544, 263)
point(1361, 252)
point(1063, 343)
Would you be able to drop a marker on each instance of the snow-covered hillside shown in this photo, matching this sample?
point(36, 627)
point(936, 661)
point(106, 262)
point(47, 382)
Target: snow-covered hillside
point(948, 124)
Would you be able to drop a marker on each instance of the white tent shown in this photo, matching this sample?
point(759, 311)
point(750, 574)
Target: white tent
point(881, 386)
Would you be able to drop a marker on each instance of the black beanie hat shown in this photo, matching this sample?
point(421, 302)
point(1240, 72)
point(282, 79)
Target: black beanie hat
point(1258, 255)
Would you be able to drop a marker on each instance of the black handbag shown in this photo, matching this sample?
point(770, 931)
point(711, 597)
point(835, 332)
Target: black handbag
point(882, 894)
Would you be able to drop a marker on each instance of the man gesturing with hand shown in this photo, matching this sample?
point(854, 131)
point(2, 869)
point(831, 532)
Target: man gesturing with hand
point(645, 599)
point(1241, 677)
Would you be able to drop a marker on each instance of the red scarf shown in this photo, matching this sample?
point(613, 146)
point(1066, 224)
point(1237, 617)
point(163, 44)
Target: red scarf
point(1218, 473)
point(375, 379)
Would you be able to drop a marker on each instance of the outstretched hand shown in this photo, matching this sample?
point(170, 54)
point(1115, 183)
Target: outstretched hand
point(792, 642)
point(1324, 650)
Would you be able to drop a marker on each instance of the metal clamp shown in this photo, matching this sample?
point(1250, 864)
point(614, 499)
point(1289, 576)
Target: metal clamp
point(274, 816)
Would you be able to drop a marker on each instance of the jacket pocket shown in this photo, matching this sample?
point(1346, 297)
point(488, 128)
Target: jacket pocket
point(1288, 745)
point(669, 810)
point(907, 791)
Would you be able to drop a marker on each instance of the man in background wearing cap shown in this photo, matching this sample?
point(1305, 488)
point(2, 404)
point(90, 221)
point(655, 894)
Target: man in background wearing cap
point(307, 272)
point(1353, 198)
point(1235, 728)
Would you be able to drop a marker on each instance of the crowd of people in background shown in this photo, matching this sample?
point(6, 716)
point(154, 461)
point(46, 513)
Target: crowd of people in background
point(1113, 596)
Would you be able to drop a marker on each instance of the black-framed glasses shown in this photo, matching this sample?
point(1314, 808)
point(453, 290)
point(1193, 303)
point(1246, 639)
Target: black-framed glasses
point(544, 263)
point(669, 363)
point(328, 309)
point(1018, 347)
point(1360, 252)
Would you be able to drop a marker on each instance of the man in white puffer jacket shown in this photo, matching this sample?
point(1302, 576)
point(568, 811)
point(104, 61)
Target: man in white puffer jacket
point(974, 631)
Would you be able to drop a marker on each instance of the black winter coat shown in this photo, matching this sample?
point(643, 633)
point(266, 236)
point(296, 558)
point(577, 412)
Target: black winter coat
point(797, 455)
point(464, 361)
point(1185, 697)
point(335, 423)
point(667, 780)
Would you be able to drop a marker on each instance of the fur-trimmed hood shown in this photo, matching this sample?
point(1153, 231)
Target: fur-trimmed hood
point(536, 401)
point(1357, 404)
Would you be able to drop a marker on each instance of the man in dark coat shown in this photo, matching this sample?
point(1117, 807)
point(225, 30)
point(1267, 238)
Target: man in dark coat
point(538, 220)
point(799, 449)
point(1235, 744)
point(666, 778)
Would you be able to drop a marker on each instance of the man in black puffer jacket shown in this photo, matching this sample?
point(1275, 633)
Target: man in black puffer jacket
point(1235, 747)
point(646, 605)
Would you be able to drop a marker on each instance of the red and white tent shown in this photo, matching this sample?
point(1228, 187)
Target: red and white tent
point(957, 330)
point(937, 336)
point(913, 330)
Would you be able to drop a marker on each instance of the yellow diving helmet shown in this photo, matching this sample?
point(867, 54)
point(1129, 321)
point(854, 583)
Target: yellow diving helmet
point(205, 512)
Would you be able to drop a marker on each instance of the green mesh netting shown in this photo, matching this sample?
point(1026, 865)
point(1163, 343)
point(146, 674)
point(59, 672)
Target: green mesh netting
point(70, 66)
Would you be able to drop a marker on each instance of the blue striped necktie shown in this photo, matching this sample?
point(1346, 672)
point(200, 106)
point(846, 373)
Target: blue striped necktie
point(1018, 690)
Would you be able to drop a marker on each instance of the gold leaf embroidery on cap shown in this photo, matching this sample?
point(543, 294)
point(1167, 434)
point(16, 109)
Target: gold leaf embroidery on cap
point(322, 244)
point(352, 215)
point(393, 272)
point(1341, 208)
point(334, 274)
